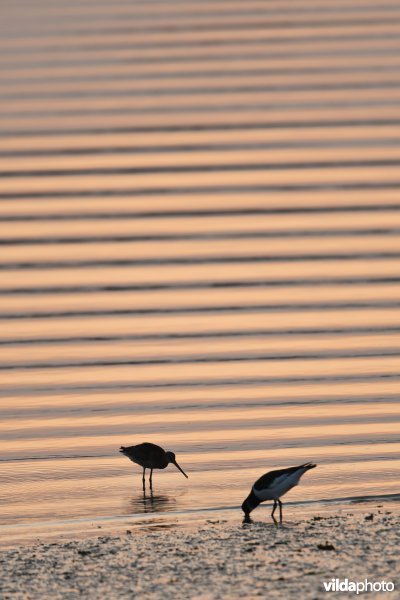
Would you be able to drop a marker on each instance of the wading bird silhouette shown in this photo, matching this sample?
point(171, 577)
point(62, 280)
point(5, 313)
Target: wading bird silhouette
point(150, 456)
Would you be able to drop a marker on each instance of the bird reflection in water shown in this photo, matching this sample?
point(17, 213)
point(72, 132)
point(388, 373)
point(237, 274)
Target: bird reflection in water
point(151, 503)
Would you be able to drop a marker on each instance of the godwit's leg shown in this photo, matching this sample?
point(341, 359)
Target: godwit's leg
point(143, 479)
point(280, 511)
point(151, 479)
point(274, 509)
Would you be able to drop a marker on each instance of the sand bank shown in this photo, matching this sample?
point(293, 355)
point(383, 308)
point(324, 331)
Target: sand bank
point(215, 560)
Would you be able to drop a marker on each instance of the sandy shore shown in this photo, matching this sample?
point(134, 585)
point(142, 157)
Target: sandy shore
point(215, 560)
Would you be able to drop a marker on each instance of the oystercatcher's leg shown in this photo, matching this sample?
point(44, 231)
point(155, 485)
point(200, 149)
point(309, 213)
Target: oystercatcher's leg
point(273, 510)
point(151, 479)
point(280, 511)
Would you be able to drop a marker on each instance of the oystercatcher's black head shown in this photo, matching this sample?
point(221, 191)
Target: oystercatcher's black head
point(250, 504)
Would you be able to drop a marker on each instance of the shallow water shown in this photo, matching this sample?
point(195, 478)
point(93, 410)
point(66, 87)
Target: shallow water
point(200, 248)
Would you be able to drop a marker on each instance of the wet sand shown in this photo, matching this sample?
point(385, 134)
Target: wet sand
point(217, 559)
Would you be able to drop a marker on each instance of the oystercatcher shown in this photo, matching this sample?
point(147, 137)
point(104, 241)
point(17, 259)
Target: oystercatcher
point(272, 486)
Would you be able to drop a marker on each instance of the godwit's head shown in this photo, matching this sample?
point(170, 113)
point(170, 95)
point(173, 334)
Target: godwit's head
point(170, 456)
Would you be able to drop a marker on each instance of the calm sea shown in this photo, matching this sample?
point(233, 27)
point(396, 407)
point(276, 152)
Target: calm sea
point(200, 218)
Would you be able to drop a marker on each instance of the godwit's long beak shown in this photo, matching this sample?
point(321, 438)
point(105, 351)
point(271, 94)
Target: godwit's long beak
point(181, 470)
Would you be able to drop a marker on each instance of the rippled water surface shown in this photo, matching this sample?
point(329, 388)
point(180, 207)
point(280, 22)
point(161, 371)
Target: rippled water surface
point(200, 247)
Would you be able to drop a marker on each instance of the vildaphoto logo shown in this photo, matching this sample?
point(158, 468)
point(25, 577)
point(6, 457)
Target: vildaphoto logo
point(359, 587)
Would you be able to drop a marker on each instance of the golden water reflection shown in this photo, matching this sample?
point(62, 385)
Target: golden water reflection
point(200, 248)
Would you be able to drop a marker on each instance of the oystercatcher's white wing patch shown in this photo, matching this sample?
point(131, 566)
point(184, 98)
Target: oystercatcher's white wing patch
point(279, 486)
